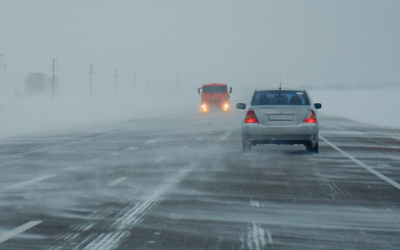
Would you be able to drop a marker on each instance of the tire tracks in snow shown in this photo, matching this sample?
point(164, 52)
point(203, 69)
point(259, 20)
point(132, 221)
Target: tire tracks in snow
point(135, 214)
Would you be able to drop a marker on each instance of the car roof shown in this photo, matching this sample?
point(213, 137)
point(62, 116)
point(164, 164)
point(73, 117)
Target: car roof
point(281, 89)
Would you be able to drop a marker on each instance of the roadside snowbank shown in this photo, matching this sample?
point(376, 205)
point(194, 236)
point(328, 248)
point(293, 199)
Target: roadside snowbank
point(369, 104)
point(373, 104)
point(19, 116)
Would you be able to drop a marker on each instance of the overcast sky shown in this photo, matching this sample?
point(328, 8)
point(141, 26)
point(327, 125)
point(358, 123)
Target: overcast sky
point(242, 43)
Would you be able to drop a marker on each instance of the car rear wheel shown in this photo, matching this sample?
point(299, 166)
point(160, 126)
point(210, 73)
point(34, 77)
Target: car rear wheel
point(246, 146)
point(316, 148)
point(312, 148)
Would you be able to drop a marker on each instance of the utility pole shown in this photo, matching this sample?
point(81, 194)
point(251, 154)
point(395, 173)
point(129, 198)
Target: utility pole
point(134, 83)
point(54, 61)
point(91, 73)
point(177, 82)
point(116, 80)
point(3, 65)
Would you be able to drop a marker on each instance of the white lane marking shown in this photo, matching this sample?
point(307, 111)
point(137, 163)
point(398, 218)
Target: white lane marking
point(371, 170)
point(270, 237)
point(154, 140)
point(89, 226)
point(62, 145)
point(132, 148)
point(254, 203)
point(108, 241)
point(27, 183)
point(76, 167)
point(10, 169)
point(225, 136)
point(160, 159)
point(18, 230)
point(117, 181)
point(69, 169)
point(256, 237)
point(11, 162)
point(242, 241)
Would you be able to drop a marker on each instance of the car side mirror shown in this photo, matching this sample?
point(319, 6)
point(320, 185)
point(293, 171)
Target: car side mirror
point(198, 90)
point(230, 90)
point(317, 105)
point(241, 105)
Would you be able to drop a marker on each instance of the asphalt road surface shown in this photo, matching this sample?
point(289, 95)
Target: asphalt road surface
point(185, 184)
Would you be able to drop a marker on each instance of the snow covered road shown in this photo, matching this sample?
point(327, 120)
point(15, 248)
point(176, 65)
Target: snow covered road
point(185, 184)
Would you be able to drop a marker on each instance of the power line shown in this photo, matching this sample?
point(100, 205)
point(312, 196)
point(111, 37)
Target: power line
point(177, 82)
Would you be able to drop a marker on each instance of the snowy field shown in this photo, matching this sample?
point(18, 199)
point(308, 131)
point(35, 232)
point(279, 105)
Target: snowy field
point(19, 116)
point(373, 104)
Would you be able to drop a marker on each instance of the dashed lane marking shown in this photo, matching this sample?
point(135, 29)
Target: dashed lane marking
point(256, 237)
point(111, 240)
point(77, 166)
point(371, 170)
point(10, 169)
point(225, 136)
point(160, 159)
point(30, 182)
point(70, 169)
point(270, 241)
point(8, 235)
point(11, 162)
point(132, 148)
point(117, 181)
point(154, 140)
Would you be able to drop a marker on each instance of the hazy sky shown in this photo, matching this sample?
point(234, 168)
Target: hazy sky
point(237, 42)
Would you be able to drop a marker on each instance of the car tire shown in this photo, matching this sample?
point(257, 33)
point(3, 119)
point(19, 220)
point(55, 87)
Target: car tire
point(316, 148)
point(246, 146)
point(309, 146)
point(312, 149)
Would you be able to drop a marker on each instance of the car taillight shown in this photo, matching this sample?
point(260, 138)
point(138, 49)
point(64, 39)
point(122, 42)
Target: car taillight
point(251, 117)
point(310, 117)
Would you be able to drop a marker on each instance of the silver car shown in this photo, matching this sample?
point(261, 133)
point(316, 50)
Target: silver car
point(281, 117)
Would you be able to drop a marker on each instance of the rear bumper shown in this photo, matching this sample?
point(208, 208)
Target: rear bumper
point(295, 134)
point(216, 109)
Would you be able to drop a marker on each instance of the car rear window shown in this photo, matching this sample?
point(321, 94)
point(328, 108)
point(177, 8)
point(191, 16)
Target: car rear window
point(283, 97)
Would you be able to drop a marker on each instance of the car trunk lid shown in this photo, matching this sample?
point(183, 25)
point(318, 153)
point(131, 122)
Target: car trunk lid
point(281, 115)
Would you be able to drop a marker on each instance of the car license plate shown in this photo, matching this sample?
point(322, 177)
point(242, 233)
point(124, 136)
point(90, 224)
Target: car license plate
point(280, 117)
